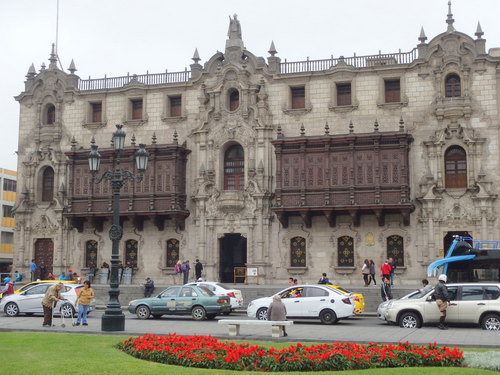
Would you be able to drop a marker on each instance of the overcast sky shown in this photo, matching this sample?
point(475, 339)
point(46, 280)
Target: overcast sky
point(113, 37)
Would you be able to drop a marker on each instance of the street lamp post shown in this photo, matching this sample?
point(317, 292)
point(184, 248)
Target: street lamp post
point(113, 318)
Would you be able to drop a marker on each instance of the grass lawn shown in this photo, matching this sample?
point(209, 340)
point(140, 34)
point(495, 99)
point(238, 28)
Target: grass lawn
point(37, 353)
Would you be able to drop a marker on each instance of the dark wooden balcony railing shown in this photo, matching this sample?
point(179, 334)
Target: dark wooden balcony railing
point(354, 174)
point(160, 196)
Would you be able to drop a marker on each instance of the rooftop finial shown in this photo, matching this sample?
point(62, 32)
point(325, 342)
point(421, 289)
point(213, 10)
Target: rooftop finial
point(196, 56)
point(479, 32)
point(449, 19)
point(31, 72)
point(272, 50)
point(72, 67)
point(53, 58)
point(422, 36)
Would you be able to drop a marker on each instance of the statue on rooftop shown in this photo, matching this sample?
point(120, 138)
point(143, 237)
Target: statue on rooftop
point(234, 31)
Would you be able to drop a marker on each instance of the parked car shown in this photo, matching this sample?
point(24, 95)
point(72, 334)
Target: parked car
point(308, 301)
point(30, 284)
point(477, 303)
point(221, 290)
point(383, 306)
point(197, 301)
point(359, 299)
point(29, 301)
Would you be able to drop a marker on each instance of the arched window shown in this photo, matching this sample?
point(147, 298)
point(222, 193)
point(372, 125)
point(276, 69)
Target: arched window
point(345, 246)
point(172, 255)
point(48, 185)
point(452, 86)
point(234, 99)
point(90, 253)
point(50, 115)
point(298, 252)
point(455, 160)
point(396, 250)
point(234, 168)
point(131, 248)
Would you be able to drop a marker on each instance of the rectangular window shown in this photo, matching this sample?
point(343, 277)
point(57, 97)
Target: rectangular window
point(298, 97)
point(9, 185)
point(344, 94)
point(175, 106)
point(7, 238)
point(136, 109)
point(96, 112)
point(7, 211)
point(392, 91)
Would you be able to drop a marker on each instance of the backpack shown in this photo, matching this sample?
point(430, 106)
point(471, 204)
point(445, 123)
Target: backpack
point(177, 268)
point(183, 267)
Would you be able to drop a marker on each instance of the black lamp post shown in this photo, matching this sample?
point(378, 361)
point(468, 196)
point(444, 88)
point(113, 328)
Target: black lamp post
point(113, 318)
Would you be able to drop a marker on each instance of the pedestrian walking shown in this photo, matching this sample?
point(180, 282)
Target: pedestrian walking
point(83, 302)
point(43, 271)
point(198, 267)
point(392, 263)
point(185, 271)
point(277, 311)
point(323, 279)
point(365, 271)
point(385, 289)
point(149, 287)
point(385, 269)
point(442, 299)
point(372, 273)
point(33, 270)
point(52, 296)
point(178, 272)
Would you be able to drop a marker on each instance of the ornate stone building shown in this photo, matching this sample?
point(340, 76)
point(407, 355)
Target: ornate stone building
point(287, 168)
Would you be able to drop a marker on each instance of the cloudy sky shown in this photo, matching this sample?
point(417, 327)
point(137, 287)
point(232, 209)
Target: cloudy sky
point(114, 37)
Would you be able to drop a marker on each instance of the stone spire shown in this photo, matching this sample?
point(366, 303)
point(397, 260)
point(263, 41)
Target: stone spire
point(479, 42)
point(53, 58)
point(72, 67)
point(422, 46)
point(422, 38)
point(272, 49)
point(479, 32)
point(31, 72)
point(449, 19)
point(234, 33)
point(273, 61)
point(196, 56)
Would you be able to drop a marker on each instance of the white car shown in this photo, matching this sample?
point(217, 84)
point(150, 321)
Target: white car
point(29, 301)
point(383, 306)
point(221, 290)
point(307, 301)
point(470, 303)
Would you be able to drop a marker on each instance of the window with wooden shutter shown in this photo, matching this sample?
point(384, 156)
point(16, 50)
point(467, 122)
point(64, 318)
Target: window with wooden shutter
point(452, 86)
point(234, 168)
point(344, 94)
point(392, 91)
point(234, 100)
point(455, 160)
point(51, 114)
point(131, 250)
point(396, 250)
point(48, 185)
point(96, 112)
point(172, 255)
point(175, 106)
point(298, 97)
point(345, 248)
point(136, 109)
point(91, 253)
point(298, 252)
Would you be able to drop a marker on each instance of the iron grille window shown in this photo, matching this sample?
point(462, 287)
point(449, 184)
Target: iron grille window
point(396, 250)
point(48, 185)
point(136, 109)
point(172, 252)
point(298, 97)
point(345, 246)
point(234, 168)
point(9, 185)
point(96, 112)
point(51, 114)
point(452, 86)
point(298, 252)
point(234, 100)
point(131, 247)
point(7, 211)
point(392, 91)
point(455, 160)
point(90, 253)
point(175, 106)
point(344, 94)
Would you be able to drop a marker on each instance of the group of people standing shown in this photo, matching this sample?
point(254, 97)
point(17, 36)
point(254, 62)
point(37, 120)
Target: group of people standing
point(182, 269)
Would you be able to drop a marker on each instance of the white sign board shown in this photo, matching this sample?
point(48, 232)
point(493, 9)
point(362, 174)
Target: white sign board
point(252, 271)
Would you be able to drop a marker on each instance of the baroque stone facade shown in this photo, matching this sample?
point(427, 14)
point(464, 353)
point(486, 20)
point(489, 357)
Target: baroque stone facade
point(226, 128)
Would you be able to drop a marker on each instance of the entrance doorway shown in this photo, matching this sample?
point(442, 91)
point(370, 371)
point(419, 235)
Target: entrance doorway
point(448, 239)
point(44, 254)
point(457, 271)
point(232, 253)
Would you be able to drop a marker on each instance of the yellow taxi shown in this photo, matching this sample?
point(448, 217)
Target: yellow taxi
point(359, 299)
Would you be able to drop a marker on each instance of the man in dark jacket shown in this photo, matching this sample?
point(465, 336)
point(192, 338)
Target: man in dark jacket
point(385, 289)
point(198, 267)
point(442, 299)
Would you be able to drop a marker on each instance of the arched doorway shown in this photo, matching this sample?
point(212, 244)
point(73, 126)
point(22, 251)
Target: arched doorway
point(457, 271)
point(44, 254)
point(232, 253)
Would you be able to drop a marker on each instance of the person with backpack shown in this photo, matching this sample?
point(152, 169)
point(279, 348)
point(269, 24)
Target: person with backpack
point(185, 271)
point(178, 272)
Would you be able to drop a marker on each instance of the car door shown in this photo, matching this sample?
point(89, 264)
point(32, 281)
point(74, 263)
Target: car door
point(292, 299)
point(165, 302)
point(186, 299)
point(31, 299)
point(473, 302)
point(430, 310)
point(453, 310)
point(314, 300)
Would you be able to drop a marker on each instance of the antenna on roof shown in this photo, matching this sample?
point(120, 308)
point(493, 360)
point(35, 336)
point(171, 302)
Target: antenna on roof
point(57, 36)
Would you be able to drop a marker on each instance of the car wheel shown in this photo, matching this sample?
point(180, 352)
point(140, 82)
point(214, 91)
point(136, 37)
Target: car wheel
point(328, 316)
point(491, 322)
point(11, 309)
point(211, 316)
point(262, 313)
point(410, 320)
point(156, 316)
point(198, 313)
point(67, 310)
point(143, 312)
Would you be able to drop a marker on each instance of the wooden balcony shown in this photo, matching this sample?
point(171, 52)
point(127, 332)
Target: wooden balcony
point(352, 174)
point(160, 196)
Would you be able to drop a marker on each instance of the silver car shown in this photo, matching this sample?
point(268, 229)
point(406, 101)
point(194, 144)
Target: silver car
point(383, 306)
point(471, 303)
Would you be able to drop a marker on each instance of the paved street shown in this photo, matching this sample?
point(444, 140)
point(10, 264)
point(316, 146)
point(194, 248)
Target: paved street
point(359, 329)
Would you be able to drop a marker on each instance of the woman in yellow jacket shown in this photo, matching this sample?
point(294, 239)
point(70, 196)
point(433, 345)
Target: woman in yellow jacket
point(83, 301)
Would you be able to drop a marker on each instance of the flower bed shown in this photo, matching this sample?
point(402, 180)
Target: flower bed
point(208, 352)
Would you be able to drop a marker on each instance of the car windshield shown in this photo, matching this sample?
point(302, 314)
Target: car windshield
point(206, 292)
point(342, 289)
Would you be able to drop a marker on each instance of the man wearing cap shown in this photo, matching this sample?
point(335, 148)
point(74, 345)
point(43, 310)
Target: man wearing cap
point(52, 296)
point(9, 287)
point(442, 299)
